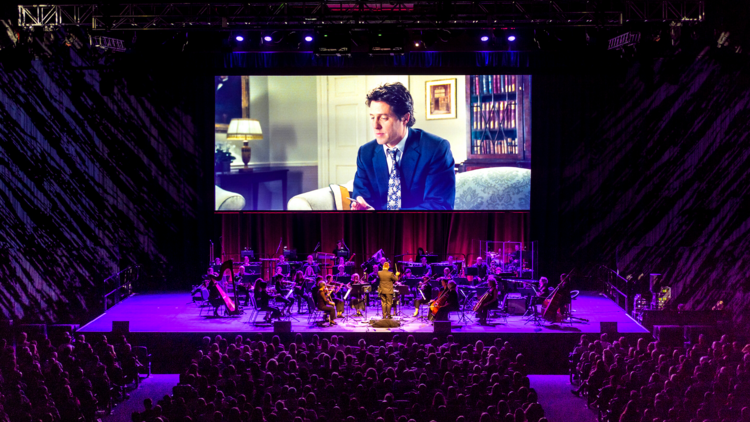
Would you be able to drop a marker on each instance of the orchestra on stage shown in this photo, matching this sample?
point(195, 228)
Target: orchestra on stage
point(330, 284)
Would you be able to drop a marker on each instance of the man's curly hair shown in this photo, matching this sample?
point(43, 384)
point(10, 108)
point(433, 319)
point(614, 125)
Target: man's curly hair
point(397, 96)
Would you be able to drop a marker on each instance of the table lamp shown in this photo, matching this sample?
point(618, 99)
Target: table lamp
point(244, 130)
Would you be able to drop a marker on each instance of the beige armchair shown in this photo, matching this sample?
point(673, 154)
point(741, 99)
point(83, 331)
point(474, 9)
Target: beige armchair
point(228, 201)
point(496, 188)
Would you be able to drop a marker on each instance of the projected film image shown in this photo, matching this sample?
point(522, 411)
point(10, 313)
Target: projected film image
point(363, 143)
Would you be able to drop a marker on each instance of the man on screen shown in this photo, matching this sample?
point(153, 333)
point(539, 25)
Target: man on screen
point(402, 168)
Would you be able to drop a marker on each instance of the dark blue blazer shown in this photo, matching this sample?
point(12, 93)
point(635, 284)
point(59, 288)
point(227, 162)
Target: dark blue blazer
point(428, 181)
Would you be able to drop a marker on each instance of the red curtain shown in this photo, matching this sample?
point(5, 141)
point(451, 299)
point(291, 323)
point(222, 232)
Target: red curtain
point(365, 234)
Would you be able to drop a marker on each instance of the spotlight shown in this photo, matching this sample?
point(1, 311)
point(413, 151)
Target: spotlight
point(416, 44)
point(267, 38)
point(484, 38)
point(511, 38)
point(239, 38)
point(308, 38)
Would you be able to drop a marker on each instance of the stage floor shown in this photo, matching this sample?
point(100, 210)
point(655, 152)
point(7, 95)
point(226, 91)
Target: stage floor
point(176, 313)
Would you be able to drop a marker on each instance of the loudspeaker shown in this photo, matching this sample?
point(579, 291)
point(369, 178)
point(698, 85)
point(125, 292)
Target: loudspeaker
point(442, 327)
point(385, 323)
point(516, 306)
point(608, 327)
point(282, 326)
point(121, 326)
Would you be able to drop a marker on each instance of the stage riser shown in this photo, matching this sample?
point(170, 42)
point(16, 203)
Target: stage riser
point(546, 353)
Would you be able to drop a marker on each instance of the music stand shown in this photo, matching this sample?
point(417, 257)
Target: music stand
point(290, 314)
point(419, 315)
point(358, 291)
point(417, 271)
point(462, 308)
point(402, 292)
point(290, 254)
point(534, 316)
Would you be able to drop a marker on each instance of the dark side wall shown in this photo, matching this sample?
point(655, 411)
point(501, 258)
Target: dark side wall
point(646, 169)
point(93, 183)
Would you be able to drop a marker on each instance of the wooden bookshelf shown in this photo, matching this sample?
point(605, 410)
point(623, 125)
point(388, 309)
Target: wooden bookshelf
point(498, 121)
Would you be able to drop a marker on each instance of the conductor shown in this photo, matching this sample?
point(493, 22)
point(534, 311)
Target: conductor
point(387, 278)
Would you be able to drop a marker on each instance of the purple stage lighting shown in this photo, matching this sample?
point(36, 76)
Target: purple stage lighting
point(267, 38)
point(239, 38)
point(511, 38)
point(484, 38)
point(309, 38)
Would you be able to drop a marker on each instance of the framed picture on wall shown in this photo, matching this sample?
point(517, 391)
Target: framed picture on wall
point(441, 99)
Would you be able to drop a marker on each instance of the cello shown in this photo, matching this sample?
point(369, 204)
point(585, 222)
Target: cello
point(226, 265)
point(555, 300)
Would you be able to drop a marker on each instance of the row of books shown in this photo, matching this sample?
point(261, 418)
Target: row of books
point(493, 84)
point(494, 146)
point(493, 115)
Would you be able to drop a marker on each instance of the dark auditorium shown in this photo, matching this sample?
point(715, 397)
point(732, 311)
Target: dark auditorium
point(383, 242)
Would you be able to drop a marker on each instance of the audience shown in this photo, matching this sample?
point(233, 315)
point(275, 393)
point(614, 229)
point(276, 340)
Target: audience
point(71, 381)
point(247, 379)
point(651, 382)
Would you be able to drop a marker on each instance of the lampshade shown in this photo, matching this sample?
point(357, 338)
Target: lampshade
point(244, 130)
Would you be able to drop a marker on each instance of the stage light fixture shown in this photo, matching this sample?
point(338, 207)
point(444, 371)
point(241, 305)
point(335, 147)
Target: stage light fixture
point(484, 38)
point(308, 38)
point(511, 38)
point(267, 38)
point(239, 38)
point(624, 40)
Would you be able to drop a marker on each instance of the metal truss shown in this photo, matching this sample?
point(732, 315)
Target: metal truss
point(415, 14)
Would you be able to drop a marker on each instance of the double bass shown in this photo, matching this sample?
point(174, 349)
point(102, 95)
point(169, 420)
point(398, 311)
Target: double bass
point(557, 300)
point(226, 266)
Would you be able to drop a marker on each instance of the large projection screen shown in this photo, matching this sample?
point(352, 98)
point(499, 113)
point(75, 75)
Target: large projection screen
point(315, 143)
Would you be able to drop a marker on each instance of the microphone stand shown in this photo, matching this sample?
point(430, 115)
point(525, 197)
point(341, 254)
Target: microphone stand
point(278, 247)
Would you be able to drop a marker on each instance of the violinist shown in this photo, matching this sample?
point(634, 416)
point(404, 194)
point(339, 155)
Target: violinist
point(424, 294)
point(263, 298)
point(487, 302)
point(332, 290)
point(281, 289)
point(323, 302)
point(299, 290)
